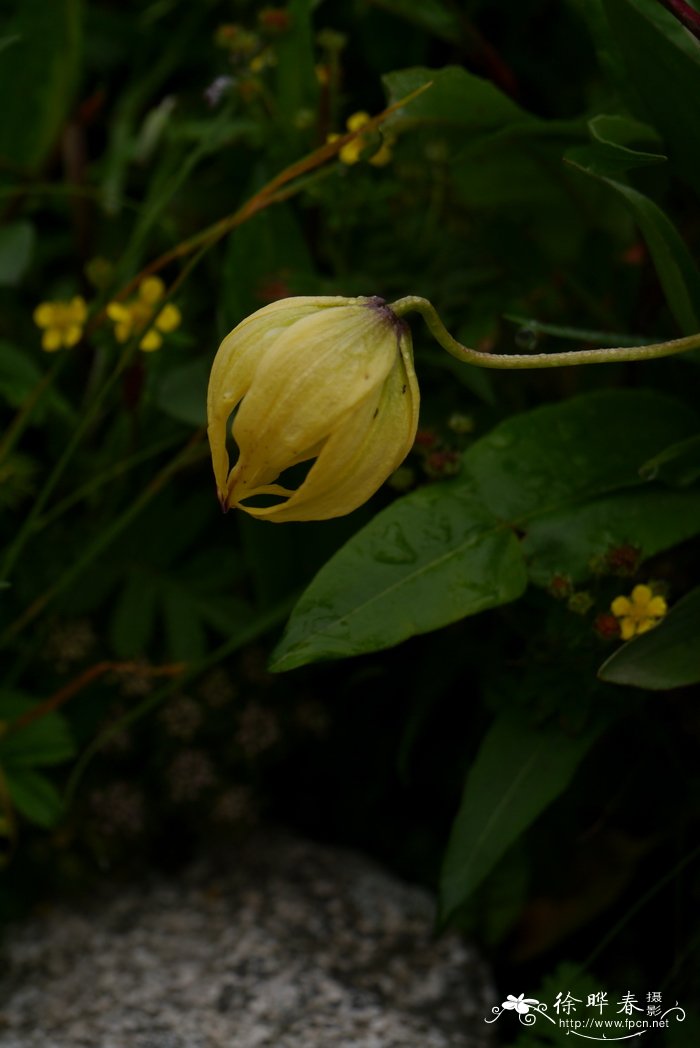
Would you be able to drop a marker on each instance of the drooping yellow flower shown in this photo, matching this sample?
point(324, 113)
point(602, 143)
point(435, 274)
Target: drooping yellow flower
point(140, 314)
point(351, 151)
point(639, 612)
point(62, 323)
point(329, 379)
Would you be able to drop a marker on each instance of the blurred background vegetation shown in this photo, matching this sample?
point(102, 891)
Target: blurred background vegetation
point(543, 194)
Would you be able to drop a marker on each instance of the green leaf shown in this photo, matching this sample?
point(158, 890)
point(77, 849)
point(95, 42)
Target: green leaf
point(46, 740)
point(519, 770)
point(34, 796)
point(597, 338)
point(666, 657)
point(297, 86)
point(660, 62)
point(502, 158)
point(537, 462)
point(457, 98)
point(449, 550)
point(616, 136)
point(184, 633)
point(16, 249)
point(501, 899)
point(181, 392)
point(566, 541)
point(678, 465)
point(675, 267)
point(434, 16)
point(134, 614)
point(38, 74)
point(18, 377)
point(430, 559)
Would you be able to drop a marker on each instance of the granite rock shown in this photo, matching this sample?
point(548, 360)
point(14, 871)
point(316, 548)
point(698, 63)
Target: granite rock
point(281, 944)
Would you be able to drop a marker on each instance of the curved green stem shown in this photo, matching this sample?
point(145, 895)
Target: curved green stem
point(512, 361)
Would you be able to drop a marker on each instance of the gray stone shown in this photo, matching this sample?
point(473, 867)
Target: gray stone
point(281, 944)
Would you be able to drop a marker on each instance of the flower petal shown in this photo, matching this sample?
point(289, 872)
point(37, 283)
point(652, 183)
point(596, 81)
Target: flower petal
point(356, 121)
point(235, 363)
point(382, 157)
point(641, 595)
point(72, 334)
point(117, 311)
point(310, 378)
point(621, 606)
point(169, 318)
point(359, 456)
point(151, 290)
point(657, 607)
point(44, 314)
point(644, 625)
point(150, 341)
point(351, 151)
point(628, 629)
point(78, 310)
point(51, 340)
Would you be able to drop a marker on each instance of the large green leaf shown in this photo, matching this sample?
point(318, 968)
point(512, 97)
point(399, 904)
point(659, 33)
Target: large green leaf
point(38, 73)
point(46, 740)
point(297, 86)
point(134, 614)
point(181, 392)
point(678, 465)
point(666, 657)
point(448, 551)
point(19, 376)
point(16, 249)
point(542, 460)
point(456, 98)
point(184, 633)
point(504, 162)
point(34, 796)
point(660, 62)
point(428, 560)
point(434, 16)
point(519, 770)
point(678, 274)
point(566, 541)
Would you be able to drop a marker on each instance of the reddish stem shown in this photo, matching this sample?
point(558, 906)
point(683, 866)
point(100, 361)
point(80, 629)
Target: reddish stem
point(685, 14)
point(78, 683)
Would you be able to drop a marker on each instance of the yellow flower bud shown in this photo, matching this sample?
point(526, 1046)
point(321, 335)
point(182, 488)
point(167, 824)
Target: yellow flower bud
point(329, 379)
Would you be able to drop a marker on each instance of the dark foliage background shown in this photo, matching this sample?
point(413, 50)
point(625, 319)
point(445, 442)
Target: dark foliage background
point(543, 195)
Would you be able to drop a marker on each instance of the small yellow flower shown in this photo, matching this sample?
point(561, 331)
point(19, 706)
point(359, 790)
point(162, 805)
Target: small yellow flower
point(322, 380)
point(639, 612)
point(140, 314)
point(62, 322)
point(351, 151)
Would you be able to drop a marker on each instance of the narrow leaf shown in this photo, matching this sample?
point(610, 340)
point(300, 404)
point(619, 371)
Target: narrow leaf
point(34, 796)
point(519, 770)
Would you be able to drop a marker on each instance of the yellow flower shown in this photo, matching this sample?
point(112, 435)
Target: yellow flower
point(329, 379)
point(139, 314)
point(62, 322)
point(639, 612)
point(351, 151)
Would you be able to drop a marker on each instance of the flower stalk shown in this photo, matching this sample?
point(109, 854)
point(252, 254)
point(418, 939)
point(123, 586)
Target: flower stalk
point(522, 361)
